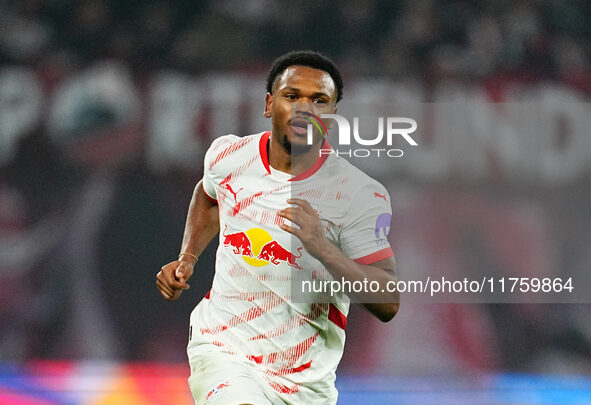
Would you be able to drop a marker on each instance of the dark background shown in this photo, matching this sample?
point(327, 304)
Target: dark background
point(107, 107)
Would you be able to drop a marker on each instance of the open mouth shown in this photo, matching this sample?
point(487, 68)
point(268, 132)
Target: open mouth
point(299, 126)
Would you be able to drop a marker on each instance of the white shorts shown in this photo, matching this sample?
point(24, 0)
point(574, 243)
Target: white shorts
point(221, 378)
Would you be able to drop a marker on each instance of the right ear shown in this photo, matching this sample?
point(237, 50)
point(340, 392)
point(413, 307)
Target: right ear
point(268, 105)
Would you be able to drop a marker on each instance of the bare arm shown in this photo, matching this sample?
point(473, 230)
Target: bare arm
point(200, 228)
point(382, 304)
point(202, 223)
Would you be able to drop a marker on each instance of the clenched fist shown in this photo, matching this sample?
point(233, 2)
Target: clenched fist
point(172, 279)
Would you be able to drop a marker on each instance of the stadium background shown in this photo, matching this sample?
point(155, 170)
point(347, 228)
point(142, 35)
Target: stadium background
point(106, 108)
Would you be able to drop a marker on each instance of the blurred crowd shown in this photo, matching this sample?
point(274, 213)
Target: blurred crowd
point(87, 217)
point(421, 39)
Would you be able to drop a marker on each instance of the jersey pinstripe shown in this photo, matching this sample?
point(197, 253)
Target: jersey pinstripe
point(295, 347)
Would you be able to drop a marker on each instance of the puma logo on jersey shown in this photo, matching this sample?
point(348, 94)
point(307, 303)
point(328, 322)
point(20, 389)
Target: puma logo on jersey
point(235, 194)
point(380, 196)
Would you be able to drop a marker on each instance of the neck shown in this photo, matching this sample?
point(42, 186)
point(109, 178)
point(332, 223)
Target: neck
point(280, 159)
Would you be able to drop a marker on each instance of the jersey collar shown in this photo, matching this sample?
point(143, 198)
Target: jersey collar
point(264, 151)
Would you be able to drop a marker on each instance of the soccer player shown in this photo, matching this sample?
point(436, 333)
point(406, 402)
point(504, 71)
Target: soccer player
point(283, 208)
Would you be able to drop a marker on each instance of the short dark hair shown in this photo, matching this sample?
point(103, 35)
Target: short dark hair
point(305, 58)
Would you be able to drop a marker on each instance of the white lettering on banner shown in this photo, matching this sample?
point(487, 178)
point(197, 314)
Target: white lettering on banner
point(225, 96)
point(105, 93)
point(543, 139)
point(537, 136)
point(566, 137)
point(173, 121)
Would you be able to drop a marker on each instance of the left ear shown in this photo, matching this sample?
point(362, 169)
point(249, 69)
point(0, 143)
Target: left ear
point(268, 105)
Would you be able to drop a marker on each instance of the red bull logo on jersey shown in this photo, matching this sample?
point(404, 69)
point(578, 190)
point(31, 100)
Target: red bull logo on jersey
point(239, 242)
point(275, 253)
point(258, 248)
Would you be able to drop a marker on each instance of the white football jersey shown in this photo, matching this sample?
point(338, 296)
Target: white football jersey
point(294, 345)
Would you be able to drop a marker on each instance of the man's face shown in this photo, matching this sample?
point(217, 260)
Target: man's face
point(299, 92)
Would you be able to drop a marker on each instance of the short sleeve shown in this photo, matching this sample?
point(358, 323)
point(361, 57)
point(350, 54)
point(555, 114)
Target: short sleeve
point(209, 183)
point(364, 235)
point(211, 178)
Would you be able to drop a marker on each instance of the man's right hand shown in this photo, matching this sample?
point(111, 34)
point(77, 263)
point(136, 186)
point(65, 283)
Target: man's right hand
point(171, 279)
point(202, 225)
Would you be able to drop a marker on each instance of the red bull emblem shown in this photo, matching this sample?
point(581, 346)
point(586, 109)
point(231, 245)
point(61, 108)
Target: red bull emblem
point(274, 253)
point(258, 248)
point(239, 241)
